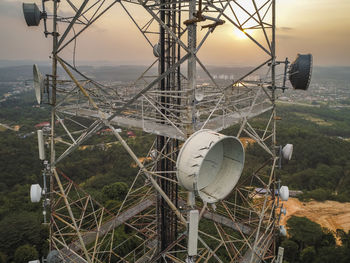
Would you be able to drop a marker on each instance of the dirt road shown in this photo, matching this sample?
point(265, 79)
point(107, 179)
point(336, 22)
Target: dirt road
point(330, 214)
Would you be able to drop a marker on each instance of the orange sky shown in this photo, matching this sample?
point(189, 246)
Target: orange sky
point(320, 27)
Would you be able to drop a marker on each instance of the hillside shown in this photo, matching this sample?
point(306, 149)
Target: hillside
point(329, 214)
point(320, 166)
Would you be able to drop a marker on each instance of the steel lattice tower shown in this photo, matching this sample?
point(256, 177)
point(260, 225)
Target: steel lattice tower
point(241, 228)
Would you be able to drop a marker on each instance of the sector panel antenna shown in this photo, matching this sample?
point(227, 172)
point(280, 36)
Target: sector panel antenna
point(38, 81)
point(41, 145)
point(32, 14)
point(300, 72)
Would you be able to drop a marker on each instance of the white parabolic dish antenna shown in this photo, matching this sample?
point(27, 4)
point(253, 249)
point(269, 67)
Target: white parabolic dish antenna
point(38, 80)
point(287, 151)
point(210, 164)
point(35, 193)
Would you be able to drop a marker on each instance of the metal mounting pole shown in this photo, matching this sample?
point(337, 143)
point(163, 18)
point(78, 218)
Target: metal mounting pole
point(169, 55)
point(274, 119)
point(53, 104)
point(192, 72)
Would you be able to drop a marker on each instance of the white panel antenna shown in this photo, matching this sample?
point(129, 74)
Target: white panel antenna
point(193, 232)
point(41, 145)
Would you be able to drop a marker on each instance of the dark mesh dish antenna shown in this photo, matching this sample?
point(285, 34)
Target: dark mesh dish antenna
point(300, 72)
point(32, 14)
point(156, 50)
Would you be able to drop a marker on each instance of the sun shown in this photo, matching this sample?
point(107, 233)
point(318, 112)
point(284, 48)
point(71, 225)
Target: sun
point(239, 34)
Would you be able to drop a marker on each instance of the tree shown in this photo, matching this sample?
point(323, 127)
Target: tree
point(3, 257)
point(308, 255)
point(328, 239)
point(344, 237)
point(116, 191)
point(304, 231)
point(25, 253)
point(330, 255)
point(21, 228)
point(290, 250)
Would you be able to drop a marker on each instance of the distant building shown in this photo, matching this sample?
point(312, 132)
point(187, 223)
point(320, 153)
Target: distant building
point(246, 141)
point(105, 131)
point(292, 193)
point(42, 124)
point(131, 134)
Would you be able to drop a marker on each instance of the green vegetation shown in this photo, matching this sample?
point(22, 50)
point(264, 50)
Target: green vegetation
point(320, 167)
point(307, 242)
point(25, 253)
point(321, 162)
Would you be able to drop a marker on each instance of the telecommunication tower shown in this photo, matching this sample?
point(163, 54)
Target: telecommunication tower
point(190, 203)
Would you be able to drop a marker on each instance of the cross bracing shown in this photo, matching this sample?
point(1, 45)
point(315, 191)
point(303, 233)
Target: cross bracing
point(167, 100)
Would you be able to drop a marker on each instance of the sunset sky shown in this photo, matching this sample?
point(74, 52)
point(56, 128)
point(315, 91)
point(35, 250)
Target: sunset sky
point(320, 27)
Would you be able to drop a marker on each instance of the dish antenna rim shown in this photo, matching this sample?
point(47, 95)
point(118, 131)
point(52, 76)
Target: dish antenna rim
point(38, 83)
point(210, 164)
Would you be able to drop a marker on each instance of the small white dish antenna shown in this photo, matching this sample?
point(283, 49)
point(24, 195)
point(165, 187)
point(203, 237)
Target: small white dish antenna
point(156, 50)
point(41, 145)
point(199, 93)
point(210, 164)
point(35, 193)
point(39, 84)
point(284, 193)
point(153, 155)
point(287, 151)
point(283, 211)
point(283, 231)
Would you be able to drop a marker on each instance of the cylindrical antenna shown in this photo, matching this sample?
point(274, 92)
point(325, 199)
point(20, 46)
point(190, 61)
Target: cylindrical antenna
point(41, 145)
point(192, 233)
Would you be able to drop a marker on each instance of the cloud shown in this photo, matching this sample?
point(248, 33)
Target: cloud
point(10, 8)
point(283, 36)
point(285, 28)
